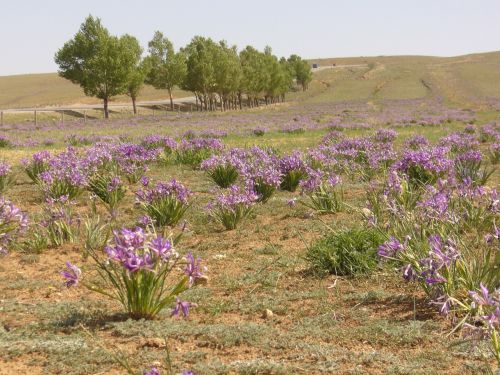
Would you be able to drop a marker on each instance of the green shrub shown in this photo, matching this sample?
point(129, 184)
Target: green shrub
point(346, 252)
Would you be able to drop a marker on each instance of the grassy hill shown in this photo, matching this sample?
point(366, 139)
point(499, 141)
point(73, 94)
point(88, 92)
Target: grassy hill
point(466, 81)
point(470, 81)
point(49, 89)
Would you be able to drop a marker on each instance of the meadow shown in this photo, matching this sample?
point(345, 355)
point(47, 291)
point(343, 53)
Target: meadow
point(351, 229)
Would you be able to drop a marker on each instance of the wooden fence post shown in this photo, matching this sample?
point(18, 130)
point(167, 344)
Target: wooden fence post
point(62, 117)
point(36, 118)
point(1, 118)
point(153, 112)
point(84, 116)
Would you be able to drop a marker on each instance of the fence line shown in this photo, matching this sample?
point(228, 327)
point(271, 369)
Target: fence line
point(82, 111)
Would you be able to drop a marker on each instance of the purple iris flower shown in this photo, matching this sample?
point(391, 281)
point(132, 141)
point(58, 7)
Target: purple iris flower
point(72, 275)
point(133, 262)
point(182, 307)
point(408, 273)
point(389, 248)
point(483, 298)
point(162, 247)
point(152, 371)
point(193, 268)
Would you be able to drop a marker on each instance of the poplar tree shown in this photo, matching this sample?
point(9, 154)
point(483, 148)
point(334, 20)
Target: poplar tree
point(167, 69)
point(97, 61)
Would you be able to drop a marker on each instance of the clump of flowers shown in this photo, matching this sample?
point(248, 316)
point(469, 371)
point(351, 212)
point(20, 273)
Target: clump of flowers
point(127, 160)
point(38, 164)
point(494, 153)
point(486, 306)
point(424, 166)
point(6, 178)
point(459, 142)
point(152, 142)
point(193, 151)
point(79, 140)
point(261, 172)
point(468, 168)
point(58, 221)
point(109, 189)
point(293, 170)
point(12, 223)
point(139, 272)
point(428, 239)
point(416, 142)
point(357, 157)
point(132, 160)
point(323, 192)
point(157, 142)
point(4, 142)
point(470, 129)
point(333, 136)
point(489, 133)
point(385, 135)
point(231, 207)
point(223, 169)
point(67, 175)
point(165, 203)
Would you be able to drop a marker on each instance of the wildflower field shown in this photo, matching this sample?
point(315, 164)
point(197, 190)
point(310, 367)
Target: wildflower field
point(309, 237)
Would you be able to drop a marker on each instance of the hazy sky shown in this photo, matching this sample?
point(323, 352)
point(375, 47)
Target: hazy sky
point(31, 31)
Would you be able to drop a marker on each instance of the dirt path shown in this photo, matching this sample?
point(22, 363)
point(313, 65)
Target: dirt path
point(75, 107)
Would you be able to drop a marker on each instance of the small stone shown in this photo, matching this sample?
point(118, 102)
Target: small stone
point(268, 314)
point(366, 212)
point(153, 342)
point(202, 280)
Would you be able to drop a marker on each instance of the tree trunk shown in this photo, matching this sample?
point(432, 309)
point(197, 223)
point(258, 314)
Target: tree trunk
point(134, 105)
point(106, 111)
point(171, 100)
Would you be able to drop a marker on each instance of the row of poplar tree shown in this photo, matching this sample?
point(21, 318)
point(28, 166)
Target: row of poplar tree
point(220, 77)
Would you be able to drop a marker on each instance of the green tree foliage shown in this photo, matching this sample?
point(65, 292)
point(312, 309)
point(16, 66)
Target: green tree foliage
point(200, 78)
point(99, 62)
point(167, 68)
point(138, 72)
point(301, 70)
point(227, 75)
point(255, 75)
point(219, 76)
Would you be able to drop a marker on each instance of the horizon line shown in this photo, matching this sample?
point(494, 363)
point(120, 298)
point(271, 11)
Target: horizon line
point(317, 58)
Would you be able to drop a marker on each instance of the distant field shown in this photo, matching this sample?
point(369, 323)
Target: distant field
point(465, 81)
point(49, 89)
point(470, 80)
